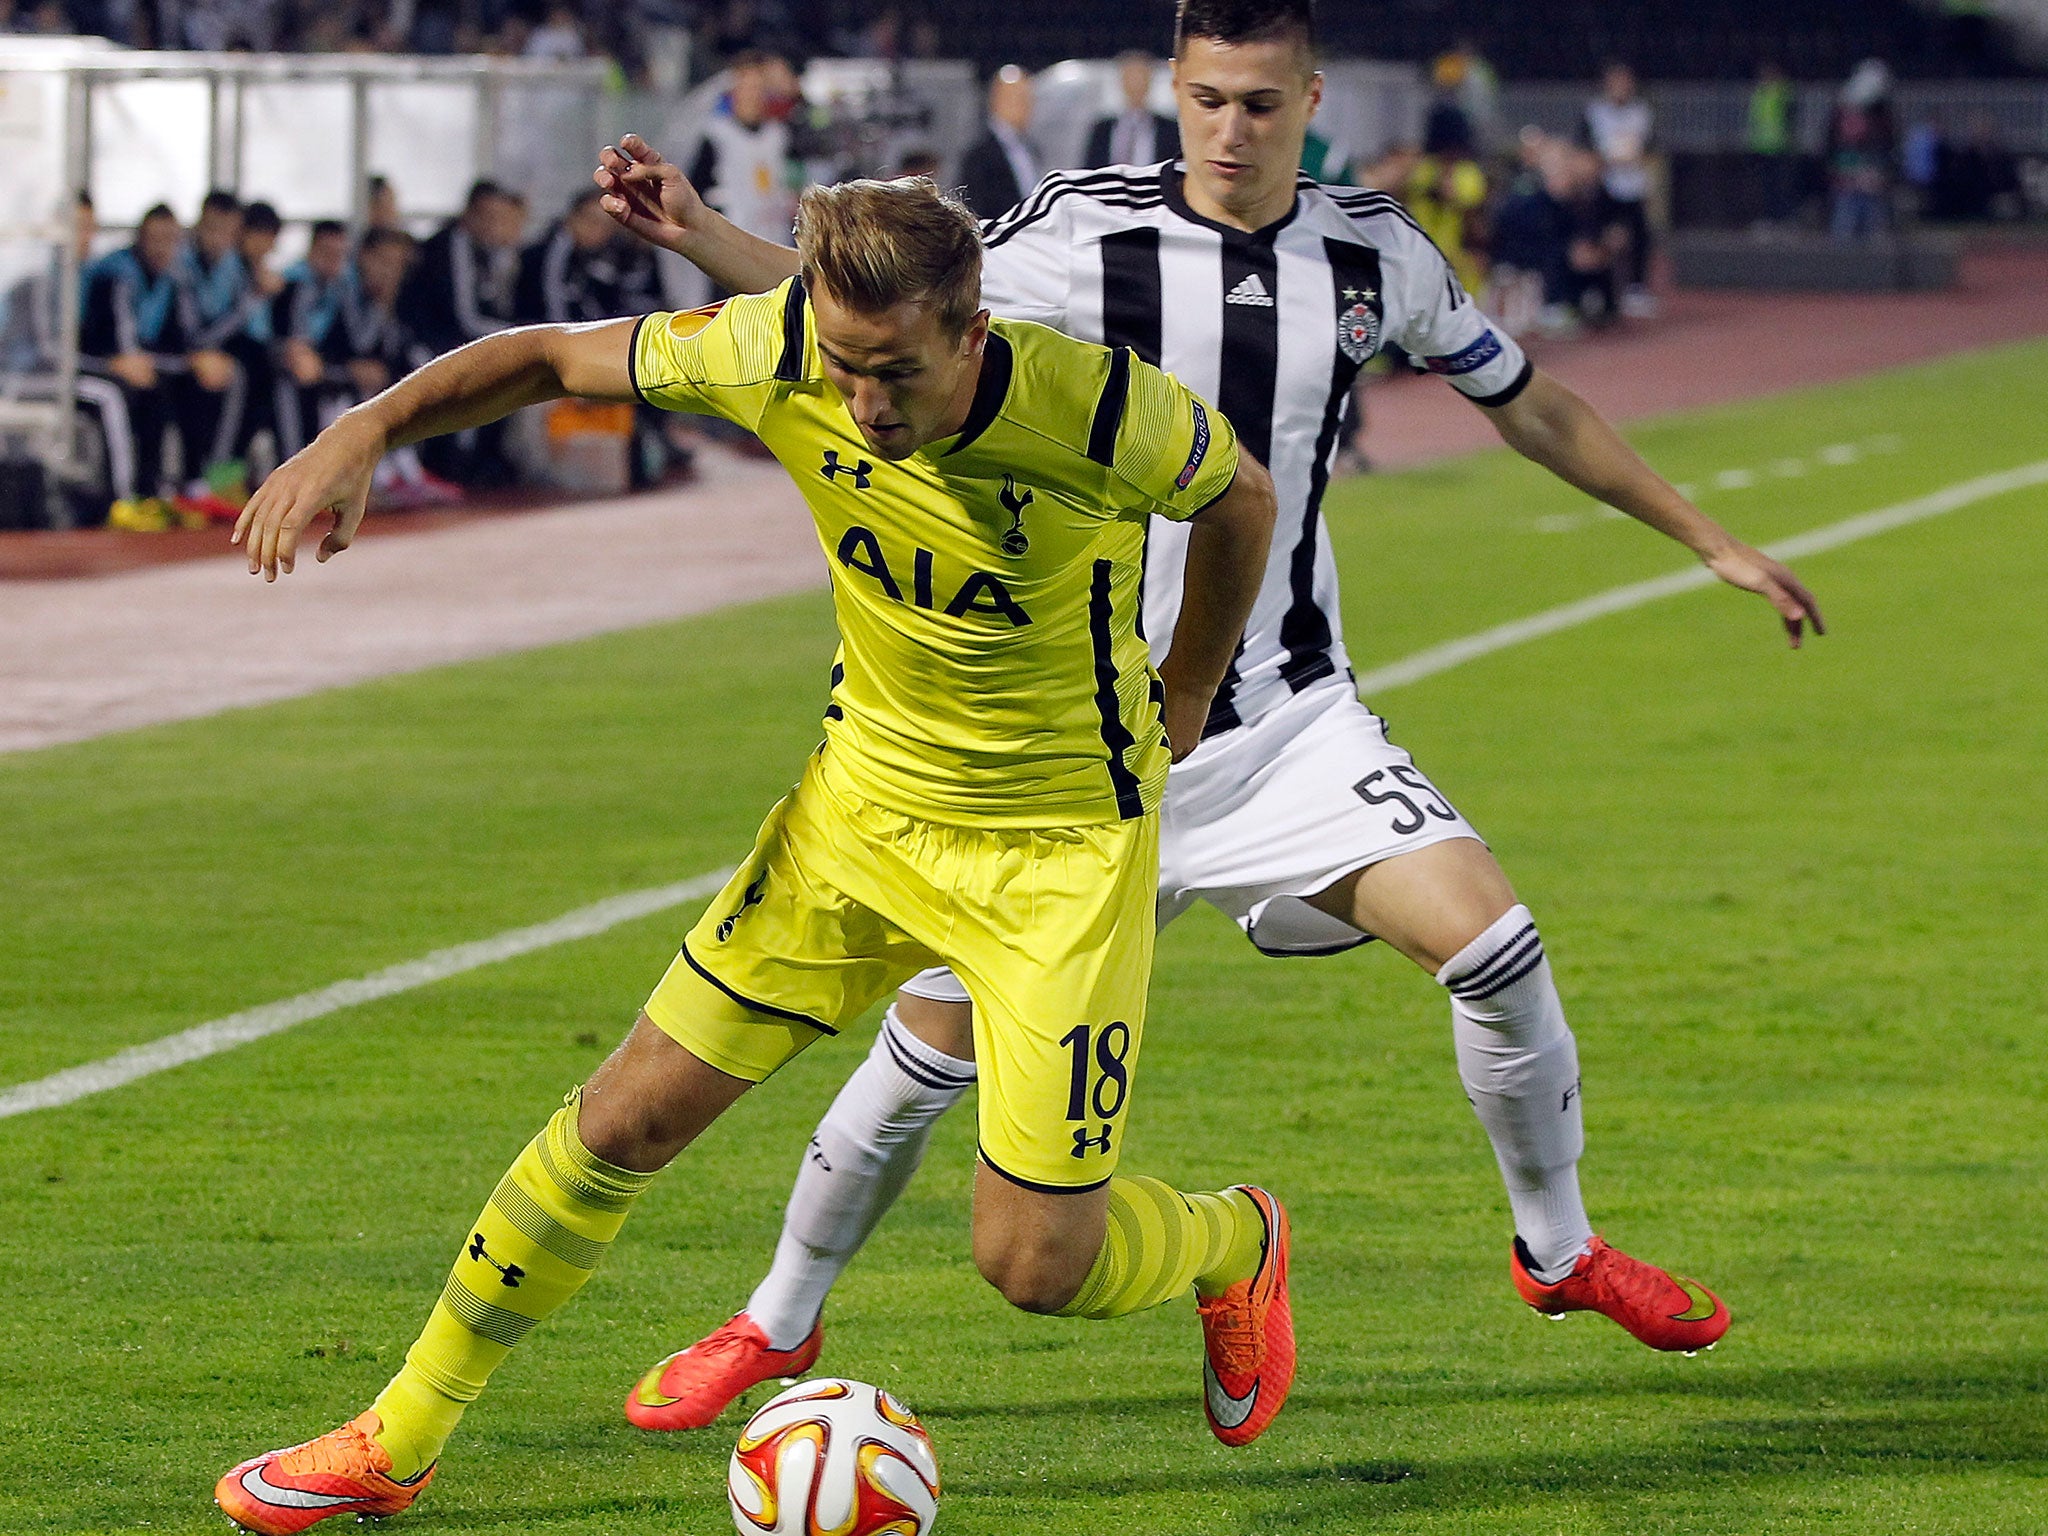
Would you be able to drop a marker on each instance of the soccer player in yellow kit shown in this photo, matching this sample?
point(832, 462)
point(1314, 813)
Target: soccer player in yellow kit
point(986, 794)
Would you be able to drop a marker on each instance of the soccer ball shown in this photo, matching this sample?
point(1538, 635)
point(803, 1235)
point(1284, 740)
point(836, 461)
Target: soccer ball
point(833, 1458)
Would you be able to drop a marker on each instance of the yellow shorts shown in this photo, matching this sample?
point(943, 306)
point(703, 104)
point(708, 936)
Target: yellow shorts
point(1049, 929)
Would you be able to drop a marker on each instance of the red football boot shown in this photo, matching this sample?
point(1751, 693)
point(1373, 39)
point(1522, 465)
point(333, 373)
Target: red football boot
point(694, 1386)
point(1662, 1310)
point(1248, 1337)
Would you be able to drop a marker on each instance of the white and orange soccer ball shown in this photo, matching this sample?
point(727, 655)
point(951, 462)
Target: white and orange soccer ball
point(833, 1458)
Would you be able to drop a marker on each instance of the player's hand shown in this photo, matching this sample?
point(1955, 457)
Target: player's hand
point(331, 475)
point(647, 195)
point(1754, 571)
point(1186, 714)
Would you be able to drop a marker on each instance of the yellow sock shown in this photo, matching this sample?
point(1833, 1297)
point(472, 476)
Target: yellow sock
point(539, 1238)
point(1161, 1241)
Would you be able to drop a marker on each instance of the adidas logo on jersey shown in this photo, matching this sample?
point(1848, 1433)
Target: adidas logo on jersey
point(1250, 291)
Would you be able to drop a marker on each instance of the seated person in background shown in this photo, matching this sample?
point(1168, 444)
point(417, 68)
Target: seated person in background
point(220, 294)
point(586, 268)
point(380, 350)
point(29, 348)
point(1529, 240)
point(1137, 135)
point(462, 287)
point(139, 328)
point(312, 345)
point(250, 347)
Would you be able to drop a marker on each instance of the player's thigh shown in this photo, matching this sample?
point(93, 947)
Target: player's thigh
point(1058, 959)
point(933, 1006)
point(783, 955)
point(1428, 904)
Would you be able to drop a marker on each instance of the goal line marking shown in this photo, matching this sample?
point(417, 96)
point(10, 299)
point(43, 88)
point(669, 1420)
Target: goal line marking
point(223, 1034)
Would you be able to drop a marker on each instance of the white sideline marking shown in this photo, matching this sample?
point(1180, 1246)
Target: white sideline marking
point(254, 1023)
point(209, 1039)
point(1441, 658)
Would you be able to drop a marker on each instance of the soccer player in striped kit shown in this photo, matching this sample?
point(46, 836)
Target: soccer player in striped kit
point(1296, 816)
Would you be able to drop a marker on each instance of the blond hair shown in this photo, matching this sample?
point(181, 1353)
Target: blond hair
point(877, 244)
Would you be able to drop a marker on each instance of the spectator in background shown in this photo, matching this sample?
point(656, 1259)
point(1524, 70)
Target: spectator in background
point(1003, 164)
point(1773, 143)
point(919, 162)
point(559, 36)
point(379, 349)
point(1978, 179)
point(463, 286)
point(1529, 241)
point(139, 328)
point(1446, 189)
point(1478, 92)
point(586, 268)
point(307, 322)
point(741, 162)
point(215, 26)
point(380, 205)
point(250, 346)
point(1618, 128)
point(29, 348)
point(1862, 151)
point(1137, 135)
point(1599, 237)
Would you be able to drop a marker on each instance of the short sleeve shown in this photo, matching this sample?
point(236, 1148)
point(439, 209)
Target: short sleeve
point(1446, 333)
point(720, 360)
point(1172, 453)
point(1027, 256)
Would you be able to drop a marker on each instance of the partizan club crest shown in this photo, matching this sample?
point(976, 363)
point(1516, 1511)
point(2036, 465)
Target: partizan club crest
point(1358, 328)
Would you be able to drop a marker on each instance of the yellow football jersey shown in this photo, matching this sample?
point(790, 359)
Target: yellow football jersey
point(991, 668)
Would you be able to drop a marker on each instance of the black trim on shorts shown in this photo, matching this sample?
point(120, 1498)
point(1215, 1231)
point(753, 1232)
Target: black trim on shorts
point(1506, 396)
point(1116, 737)
point(789, 368)
point(633, 360)
point(1313, 954)
point(990, 390)
point(747, 1002)
point(1109, 409)
point(1044, 1189)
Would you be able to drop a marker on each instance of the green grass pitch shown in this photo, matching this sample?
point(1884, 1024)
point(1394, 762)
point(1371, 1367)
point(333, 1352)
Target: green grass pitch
point(1795, 904)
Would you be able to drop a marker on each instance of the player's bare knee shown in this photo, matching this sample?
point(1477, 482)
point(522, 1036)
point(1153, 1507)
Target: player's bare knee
point(944, 1026)
point(1031, 1277)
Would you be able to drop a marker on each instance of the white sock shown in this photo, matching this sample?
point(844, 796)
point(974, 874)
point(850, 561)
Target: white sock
point(1520, 1066)
point(864, 1152)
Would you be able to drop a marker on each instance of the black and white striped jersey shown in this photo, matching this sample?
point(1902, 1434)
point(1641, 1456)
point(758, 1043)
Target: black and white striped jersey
point(1272, 326)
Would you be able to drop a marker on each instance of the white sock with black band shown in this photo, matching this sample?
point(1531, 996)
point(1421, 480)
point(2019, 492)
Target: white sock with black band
point(863, 1153)
point(1520, 1067)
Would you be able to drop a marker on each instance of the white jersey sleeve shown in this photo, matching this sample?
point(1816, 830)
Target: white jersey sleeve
point(1435, 321)
point(1028, 256)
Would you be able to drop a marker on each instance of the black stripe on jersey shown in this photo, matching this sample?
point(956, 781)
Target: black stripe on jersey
point(1305, 628)
point(1109, 410)
point(1130, 795)
point(1245, 390)
point(633, 360)
point(990, 390)
point(790, 366)
point(832, 710)
point(1131, 292)
point(1114, 189)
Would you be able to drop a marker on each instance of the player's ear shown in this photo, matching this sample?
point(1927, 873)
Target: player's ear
point(975, 337)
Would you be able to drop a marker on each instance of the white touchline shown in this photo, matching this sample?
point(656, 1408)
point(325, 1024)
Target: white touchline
point(254, 1023)
point(209, 1039)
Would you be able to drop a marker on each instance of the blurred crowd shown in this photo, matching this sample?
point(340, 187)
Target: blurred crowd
point(653, 44)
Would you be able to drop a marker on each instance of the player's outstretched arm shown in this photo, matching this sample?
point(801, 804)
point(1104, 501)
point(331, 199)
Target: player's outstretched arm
point(1550, 425)
point(651, 197)
point(481, 382)
point(1226, 563)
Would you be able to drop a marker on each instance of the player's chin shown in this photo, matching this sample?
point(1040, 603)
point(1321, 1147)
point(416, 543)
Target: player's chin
point(891, 443)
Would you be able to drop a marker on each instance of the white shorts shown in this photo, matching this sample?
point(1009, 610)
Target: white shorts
point(1258, 818)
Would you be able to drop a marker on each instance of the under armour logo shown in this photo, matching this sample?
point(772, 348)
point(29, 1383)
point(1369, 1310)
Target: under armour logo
point(1083, 1141)
point(1014, 542)
point(752, 898)
point(832, 469)
point(508, 1274)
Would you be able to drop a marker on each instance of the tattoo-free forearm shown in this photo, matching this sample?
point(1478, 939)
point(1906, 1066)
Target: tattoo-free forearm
point(478, 383)
point(1226, 563)
point(732, 257)
point(1553, 427)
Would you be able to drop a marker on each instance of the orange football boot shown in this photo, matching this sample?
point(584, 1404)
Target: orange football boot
point(344, 1472)
point(1248, 1337)
point(694, 1386)
point(1665, 1312)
